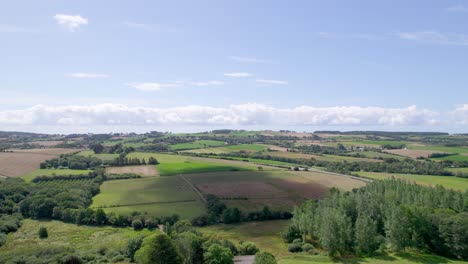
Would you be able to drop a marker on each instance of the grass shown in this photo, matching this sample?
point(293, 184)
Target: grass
point(232, 148)
point(197, 144)
point(458, 150)
point(373, 142)
point(451, 182)
point(374, 154)
point(455, 170)
point(51, 172)
point(177, 164)
point(64, 237)
point(453, 158)
point(262, 161)
point(105, 156)
point(157, 196)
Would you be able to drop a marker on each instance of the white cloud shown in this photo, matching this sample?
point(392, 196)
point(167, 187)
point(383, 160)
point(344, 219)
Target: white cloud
point(456, 9)
point(460, 114)
point(83, 75)
point(238, 74)
point(234, 115)
point(148, 27)
point(208, 83)
point(271, 82)
point(70, 22)
point(247, 59)
point(152, 86)
point(434, 37)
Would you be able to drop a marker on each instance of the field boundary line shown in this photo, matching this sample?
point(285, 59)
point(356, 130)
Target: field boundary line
point(194, 188)
point(342, 175)
point(164, 202)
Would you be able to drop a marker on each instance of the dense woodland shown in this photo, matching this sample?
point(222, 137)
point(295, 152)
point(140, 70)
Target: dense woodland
point(390, 214)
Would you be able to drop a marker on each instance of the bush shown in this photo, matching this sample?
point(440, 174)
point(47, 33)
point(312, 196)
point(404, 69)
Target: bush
point(294, 248)
point(43, 232)
point(137, 224)
point(248, 248)
point(72, 260)
point(264, 258)
point(291, 233)
point(306, 247)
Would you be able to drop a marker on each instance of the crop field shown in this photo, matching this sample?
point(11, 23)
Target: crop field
point(52, 172)
point(177, 164)
point(47, 143)
point(158, 196)
point(143, 170)
point(454, 158)
point(276, 189)
point(197, 144)
point(451, 182)
point(412, 153)
point(459, 150)
point(377, 155)
point(325, 157)
point(263, 161)
point(15, 164)
point(104, 156)
point(232, 148)
point(47, 151)
point(63, 237)
point(67, 183)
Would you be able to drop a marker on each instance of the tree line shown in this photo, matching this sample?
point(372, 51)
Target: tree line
point(390, 214)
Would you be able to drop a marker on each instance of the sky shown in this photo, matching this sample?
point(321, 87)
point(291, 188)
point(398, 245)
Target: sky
point(137, 66)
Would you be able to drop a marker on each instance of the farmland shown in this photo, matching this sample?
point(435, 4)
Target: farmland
point(104, 156)
point(197, 145)
point(143, 170)
point(176, 164)
point(51, 172)
point(451, 182)
point(21, 162)
point(158, 196)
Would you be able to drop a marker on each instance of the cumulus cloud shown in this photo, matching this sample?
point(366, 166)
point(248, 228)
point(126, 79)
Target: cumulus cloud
point(237, 74)
point(152, 86)
point(434, 37)
point(83, 75)
point(70, 22)
point(271, 82)
point(461, 114)
point(208, 83)
point(234, 115)
point(247, 59)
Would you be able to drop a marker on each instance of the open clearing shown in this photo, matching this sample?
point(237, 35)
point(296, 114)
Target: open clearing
point(177, 164)
point(412, 153)
point(64, 237)
point(21, 162)
point(157, 196)
point(52, 172)
point(452, 182)
point(143, 170)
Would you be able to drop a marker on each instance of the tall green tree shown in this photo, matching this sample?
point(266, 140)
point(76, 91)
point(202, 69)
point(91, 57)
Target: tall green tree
point(158, 249)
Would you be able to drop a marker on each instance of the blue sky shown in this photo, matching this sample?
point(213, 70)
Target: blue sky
point(102, 66)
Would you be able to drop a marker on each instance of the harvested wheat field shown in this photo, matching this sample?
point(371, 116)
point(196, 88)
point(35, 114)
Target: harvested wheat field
point(143, 170)
point(15, 164)
point(46, 151)
point(329, 180)
point(47, 143)
point(412, 153)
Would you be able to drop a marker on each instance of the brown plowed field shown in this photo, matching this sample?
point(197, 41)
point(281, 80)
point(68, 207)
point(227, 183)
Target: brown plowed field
point(143, 170)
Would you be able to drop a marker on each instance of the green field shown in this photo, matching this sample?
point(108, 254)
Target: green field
point(157, 196)
point(458, 150)
point(455, 170)
point(373, 142)
point(64, 239)
point(177, 164)
point(262, 161)
point(51, 172)
point(105, 156)
point(454, 158)
point(232, 148)
point(452, 182)
point(197, 144)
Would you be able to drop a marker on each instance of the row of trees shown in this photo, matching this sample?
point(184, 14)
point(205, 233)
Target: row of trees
point(390, 213)
point(70, 161)
point(122, 160)
point(219, 212)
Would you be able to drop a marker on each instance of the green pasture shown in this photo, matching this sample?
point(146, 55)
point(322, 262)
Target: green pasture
point(197, 144)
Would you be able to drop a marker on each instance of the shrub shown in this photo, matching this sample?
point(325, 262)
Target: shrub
point(72, 259)
point(294, 248)
point(248, 248)
point(43, 232)
point(137, 224)
point(264, 258)
point(133, 246)
point(306, 247)
point(3, 238)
